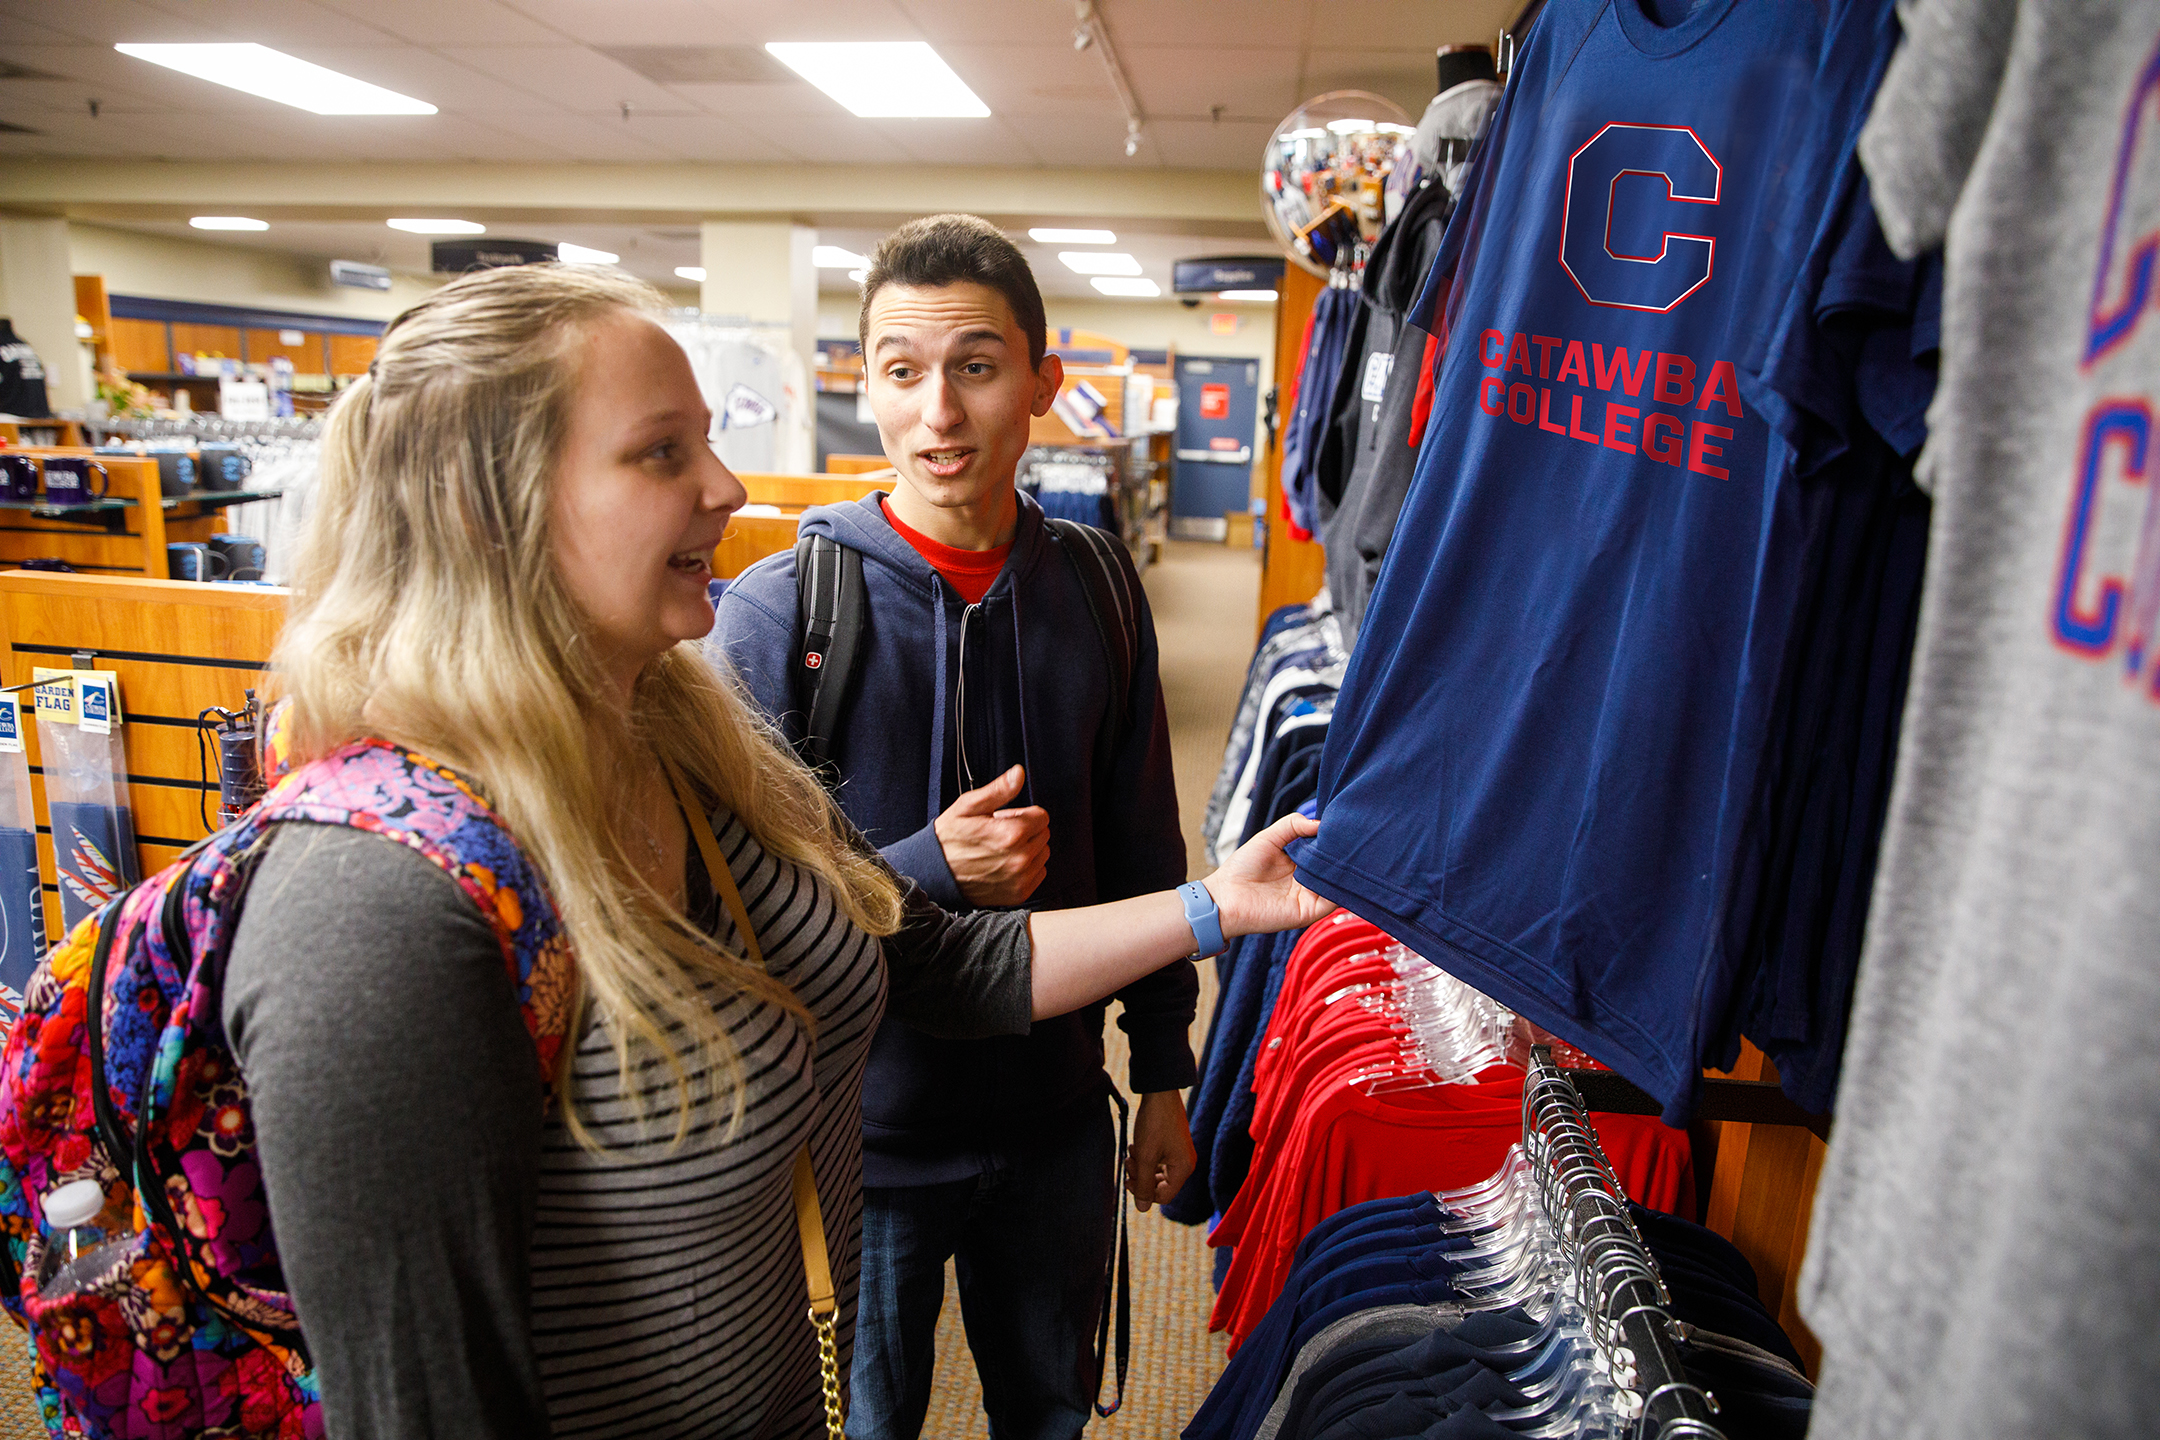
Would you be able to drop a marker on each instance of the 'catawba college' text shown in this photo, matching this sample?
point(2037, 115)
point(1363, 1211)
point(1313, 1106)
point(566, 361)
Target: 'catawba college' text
point(1577, 373)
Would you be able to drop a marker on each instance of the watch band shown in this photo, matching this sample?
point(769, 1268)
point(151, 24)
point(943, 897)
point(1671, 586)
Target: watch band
point(1205, 919)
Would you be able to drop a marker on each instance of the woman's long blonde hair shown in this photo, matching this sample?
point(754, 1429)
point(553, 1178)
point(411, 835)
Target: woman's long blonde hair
point(427, 609)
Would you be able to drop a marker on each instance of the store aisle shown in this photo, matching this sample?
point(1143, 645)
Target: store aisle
point(1204, 598)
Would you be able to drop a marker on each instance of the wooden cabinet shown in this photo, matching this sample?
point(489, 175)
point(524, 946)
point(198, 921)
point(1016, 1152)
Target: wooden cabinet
point(310, 356)
point(206, 340)
point(141, 346)
point(351, 354)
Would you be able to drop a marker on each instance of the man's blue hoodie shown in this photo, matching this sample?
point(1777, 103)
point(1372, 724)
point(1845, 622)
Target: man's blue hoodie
point(1023, 678)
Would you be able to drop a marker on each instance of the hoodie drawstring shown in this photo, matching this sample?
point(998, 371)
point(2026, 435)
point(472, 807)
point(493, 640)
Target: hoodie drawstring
point(937, 710)
point(1027, 759)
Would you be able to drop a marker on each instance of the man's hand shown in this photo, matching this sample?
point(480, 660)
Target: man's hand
point(1161, 1159)
point(999, 856)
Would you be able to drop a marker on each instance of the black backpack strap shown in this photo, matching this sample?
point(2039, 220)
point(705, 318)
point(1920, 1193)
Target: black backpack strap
point(1111, 588)
point(830, 608)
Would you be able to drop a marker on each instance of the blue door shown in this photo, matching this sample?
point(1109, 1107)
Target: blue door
point(1218, 405)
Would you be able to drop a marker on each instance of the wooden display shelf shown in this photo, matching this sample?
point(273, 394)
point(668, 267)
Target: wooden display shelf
point(178, 649)
point(126, 532)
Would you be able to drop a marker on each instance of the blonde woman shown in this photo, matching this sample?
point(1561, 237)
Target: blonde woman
point(508, 551)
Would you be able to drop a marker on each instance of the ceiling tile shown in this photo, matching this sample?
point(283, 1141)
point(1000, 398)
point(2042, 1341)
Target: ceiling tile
point(1206, 22)
point(709, 139)
point(1202, 145)
point(793, 98)
point(19, 29)
point(1407, 78)
point(1095, 137)
point(111, 22)
point(435, 23)
point(587, 137)
point(970, 22)
point(959, 142)
point(571, 76)
point(835, 139)
point(1421, 25)
point(645, 22)
point(1033, 79)
point(280, 24)
point(760, 21)
point(425, 75)
point(1189, 80)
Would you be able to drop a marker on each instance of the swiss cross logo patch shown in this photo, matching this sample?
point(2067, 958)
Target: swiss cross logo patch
point(812, 660)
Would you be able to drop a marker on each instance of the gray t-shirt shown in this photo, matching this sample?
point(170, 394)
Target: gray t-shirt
point(461, 1265)
point(1985, 1258)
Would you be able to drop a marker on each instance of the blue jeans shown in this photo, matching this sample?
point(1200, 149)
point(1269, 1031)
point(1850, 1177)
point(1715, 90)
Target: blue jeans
point(1030, 1240)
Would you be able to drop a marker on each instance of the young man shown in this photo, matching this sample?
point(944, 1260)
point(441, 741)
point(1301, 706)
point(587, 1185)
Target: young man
point(980, 745)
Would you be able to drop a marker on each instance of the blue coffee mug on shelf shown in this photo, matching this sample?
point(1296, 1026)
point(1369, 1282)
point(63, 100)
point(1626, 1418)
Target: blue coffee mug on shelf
point(222, 467)
point(191, 561)
point(18, 477)
point(67, 480)
point(243, 555)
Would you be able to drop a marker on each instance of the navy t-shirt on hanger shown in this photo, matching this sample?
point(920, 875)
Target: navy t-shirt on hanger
point(1544, 772)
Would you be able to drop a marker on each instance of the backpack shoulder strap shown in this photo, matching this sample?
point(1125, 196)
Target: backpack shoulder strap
point(1108, 582)
point(830, 607)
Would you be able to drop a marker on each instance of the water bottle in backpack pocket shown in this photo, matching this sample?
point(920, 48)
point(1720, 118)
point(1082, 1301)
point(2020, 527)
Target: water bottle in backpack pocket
point(78, 1252)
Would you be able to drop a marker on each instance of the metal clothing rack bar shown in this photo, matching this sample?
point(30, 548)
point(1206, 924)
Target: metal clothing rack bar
point(1617, 1280)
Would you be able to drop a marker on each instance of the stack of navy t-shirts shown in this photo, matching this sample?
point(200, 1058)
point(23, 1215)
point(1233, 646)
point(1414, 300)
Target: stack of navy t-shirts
point(1846, 376)
point(1369, 1340)
point(1271, 767)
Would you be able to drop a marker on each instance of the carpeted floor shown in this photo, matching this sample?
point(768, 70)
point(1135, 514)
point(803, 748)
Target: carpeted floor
point(1204, 597)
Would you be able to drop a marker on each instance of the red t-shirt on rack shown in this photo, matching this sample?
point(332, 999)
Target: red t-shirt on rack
point(969, 572)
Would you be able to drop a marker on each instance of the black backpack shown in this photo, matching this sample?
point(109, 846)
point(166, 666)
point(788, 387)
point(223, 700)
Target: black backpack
point(831, 605)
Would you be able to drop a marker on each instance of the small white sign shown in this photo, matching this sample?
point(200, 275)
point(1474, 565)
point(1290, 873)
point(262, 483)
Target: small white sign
point(243, 399)
point(11, 740)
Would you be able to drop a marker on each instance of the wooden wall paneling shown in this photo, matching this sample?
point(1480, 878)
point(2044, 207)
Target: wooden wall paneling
point(797, 491)
point(351, 354)
point(178, 648)
point(750, 539)
point(143, 346)
point(856, 464)
point(310, 357)
point(1762, 1197)
point(1292, 569)
point(190, 339)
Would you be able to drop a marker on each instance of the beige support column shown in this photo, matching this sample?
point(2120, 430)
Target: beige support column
point(37, 292)
point(761, 271)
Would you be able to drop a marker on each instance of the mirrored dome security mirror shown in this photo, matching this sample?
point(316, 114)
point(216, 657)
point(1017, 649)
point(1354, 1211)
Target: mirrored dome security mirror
point(1323, 174)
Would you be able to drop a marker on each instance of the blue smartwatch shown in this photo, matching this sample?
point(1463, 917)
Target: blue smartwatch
point(1205, 919)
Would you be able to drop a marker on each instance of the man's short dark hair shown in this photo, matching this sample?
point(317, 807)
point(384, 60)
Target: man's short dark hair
point(942, 250)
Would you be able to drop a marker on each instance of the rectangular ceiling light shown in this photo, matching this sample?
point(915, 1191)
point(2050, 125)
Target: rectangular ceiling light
point(690, 272)
point(1073, 237)
point(274, 75)
point(571, 254)
point(832, 257)
point(883, 80)
point(437, 227)
point(1255, 297)
point(227, 222)
point(1134, 289)
point(1099, 262)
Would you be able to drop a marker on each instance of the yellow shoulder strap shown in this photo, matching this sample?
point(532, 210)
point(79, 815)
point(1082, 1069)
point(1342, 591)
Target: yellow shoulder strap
point(817, 1264)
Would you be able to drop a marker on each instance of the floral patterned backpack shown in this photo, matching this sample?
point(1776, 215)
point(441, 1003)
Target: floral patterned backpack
point(119, 1070)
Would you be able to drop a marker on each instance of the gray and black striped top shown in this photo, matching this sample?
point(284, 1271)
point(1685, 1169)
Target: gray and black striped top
point(463, 1267)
